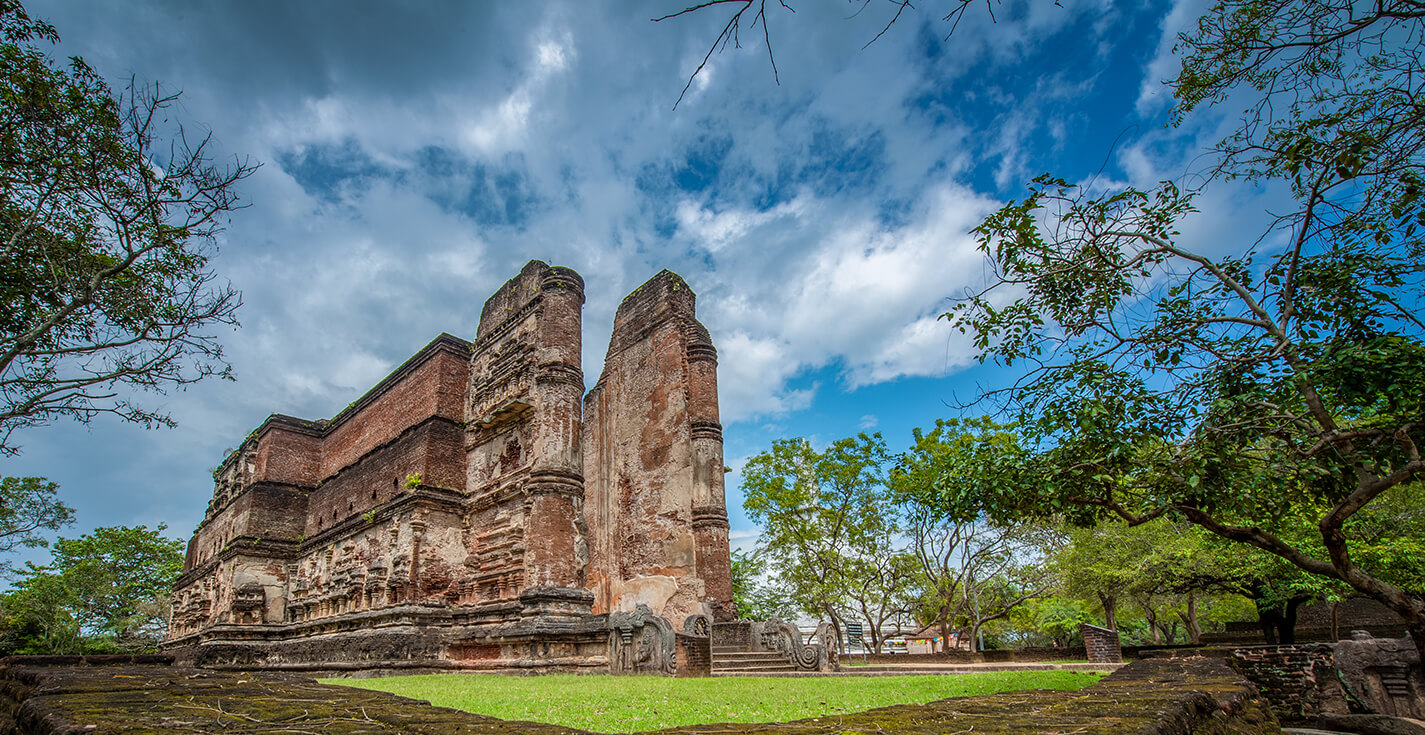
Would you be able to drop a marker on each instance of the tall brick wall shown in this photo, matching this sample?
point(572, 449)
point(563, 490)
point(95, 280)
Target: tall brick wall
point(411, 394)
point(293, 480)
point(455, 490)
point(653, 462)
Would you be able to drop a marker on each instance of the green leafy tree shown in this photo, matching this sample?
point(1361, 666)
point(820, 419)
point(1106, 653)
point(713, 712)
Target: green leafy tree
point(108, 216)
point(756, 600)
point(820, 512)
point(28, 507)
point(881, 586)
point(972, 572)
point(104, 591)
point(1249, 391)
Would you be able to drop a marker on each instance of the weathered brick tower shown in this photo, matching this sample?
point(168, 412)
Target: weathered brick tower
point(476, 510)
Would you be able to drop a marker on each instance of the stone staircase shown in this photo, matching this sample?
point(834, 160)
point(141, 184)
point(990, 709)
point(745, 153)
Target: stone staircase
point(732, 661)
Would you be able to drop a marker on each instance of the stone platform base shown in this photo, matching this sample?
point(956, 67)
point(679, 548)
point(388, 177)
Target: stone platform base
point(1153, 697)
point(402, 641)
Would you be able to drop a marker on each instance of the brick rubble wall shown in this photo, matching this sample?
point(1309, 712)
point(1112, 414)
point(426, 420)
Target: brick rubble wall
point(1299, 680)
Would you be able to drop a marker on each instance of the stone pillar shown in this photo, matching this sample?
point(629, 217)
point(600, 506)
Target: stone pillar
point(710, 526)
point(524, 465)
point(554, 540)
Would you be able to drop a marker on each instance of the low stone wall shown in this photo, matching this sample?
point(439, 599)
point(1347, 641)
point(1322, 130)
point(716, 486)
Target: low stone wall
point(1018, 655)
point(1197, 696)
point(1299, 681)
point(1101, 644)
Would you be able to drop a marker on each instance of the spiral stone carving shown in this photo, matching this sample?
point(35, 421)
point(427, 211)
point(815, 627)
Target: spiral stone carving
point(778, 635)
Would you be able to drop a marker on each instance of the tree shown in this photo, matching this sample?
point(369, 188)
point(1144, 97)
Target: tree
point(753, 599)
point(972, 571)
point(29, 505)
point(880, 586)
point(101, 591)
point(1238, 391)
point(108, 217)
point(820, 512)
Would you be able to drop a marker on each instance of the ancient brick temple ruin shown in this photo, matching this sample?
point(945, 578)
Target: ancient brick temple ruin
point(476, 509)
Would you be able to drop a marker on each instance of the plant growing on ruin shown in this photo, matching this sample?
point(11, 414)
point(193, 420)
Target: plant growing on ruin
point(413, 481)
point(109, 214)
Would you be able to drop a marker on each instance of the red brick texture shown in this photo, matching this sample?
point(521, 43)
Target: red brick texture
point(469, 483)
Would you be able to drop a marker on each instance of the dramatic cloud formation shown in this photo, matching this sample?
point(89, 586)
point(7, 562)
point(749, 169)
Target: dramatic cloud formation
point(415, 157)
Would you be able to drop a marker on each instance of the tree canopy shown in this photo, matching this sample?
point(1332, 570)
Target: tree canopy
point(109, 214)
point(1252, 388)
point(103, 591)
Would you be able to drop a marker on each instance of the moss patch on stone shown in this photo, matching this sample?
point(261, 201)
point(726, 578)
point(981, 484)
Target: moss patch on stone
point(1153, 697)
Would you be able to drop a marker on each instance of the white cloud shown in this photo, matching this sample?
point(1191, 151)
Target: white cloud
point(415, 159)
point(1153, 94)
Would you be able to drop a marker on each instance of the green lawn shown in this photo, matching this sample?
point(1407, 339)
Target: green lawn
point(629, 704)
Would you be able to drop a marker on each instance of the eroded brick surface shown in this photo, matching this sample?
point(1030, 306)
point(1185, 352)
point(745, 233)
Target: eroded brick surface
point(447, 506)
point(653, 462)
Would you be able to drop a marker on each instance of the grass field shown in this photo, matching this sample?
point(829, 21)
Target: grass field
point(628, 704)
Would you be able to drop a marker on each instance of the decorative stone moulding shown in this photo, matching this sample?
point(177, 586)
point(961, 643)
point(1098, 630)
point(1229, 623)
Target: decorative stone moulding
point(473, 510)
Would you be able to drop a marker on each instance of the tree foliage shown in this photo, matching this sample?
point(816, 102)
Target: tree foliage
point(972, 571)
point(109, 214)
point(822, 514)
point(104, 591)
point(29, 506)
point(1254, 388)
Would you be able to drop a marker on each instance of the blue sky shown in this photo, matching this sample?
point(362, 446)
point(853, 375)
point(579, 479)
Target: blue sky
point(415, 155)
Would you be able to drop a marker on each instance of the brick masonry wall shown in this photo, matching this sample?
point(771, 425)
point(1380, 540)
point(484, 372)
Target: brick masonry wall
point(693, 655)
point(1101, 644)
point(432, 388)
point(1299, 681)
point(431, 450)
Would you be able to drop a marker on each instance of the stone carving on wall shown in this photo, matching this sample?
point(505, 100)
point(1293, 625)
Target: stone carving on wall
point(449, 504)
point(1382, 674)
point(784, 637)
point(249, 603)
point(641, 642)
point(698, 624)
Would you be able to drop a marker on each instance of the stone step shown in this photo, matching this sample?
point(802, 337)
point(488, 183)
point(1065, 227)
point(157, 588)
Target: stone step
point(750, 656)
point(752, 669)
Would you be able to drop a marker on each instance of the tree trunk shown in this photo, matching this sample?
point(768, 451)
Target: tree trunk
point(1288, 629)
point(944, 635)
point(836, 628)
point(1110, 615)
point(1153, 624)
point(1194, 630)
point(1269, 618)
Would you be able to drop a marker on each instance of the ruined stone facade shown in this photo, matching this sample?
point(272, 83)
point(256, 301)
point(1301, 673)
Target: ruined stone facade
point(476, 509)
